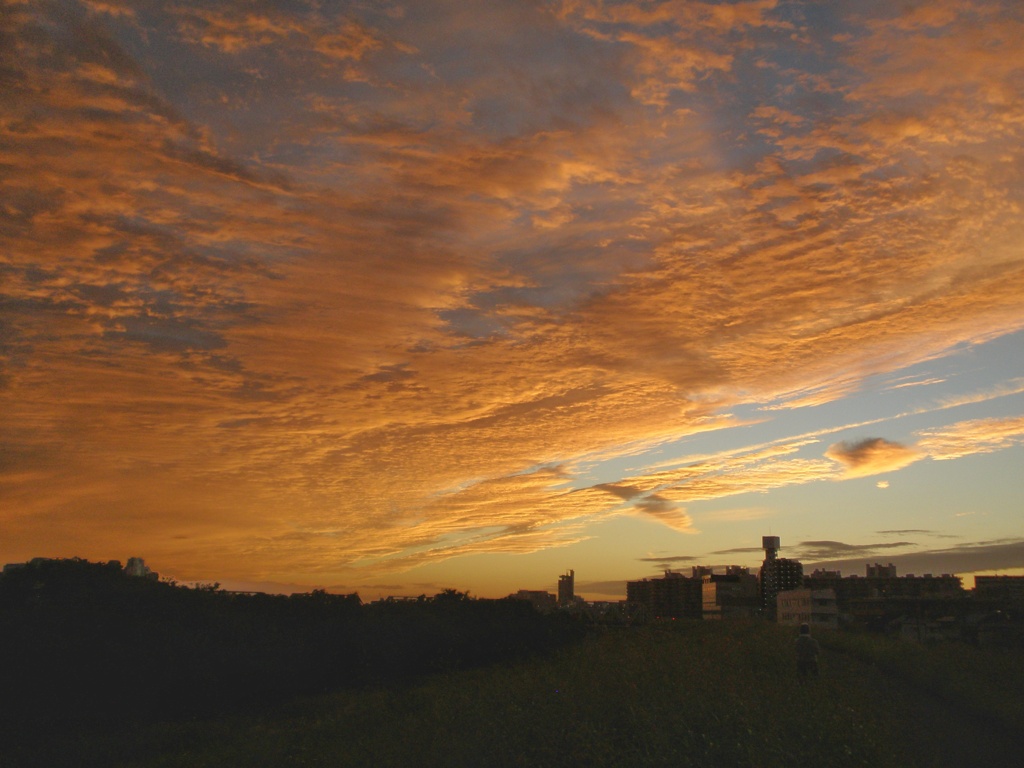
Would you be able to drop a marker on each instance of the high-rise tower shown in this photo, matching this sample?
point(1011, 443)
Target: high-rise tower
point(777, 574)
point(567, 588)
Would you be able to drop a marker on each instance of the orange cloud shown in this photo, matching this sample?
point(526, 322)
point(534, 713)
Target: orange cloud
point(871, 456)
point(335, 300)
point(966, 438)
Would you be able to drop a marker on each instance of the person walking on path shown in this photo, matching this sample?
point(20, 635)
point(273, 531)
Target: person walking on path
point(807, 650)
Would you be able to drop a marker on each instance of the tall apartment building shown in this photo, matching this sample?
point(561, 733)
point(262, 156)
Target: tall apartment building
point(877, 571)
point(567, 588)
point(777, 574)
point(1009, 589)
point(673, 597)
point(886, 587)
point(731, 595)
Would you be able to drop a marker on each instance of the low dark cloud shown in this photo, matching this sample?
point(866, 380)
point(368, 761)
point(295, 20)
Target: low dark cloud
point(918, 531)
point(817, 550)
point(672, 559)
point(966, 558)
point(905, 531)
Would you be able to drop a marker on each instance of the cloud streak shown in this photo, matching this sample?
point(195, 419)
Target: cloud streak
point(966, 438)
point(965, 558)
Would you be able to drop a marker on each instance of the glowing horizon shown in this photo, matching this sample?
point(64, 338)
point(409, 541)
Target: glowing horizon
point(395, 297)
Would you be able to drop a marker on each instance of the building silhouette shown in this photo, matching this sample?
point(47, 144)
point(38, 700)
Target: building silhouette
point(777, 574)
point(882, 599)
point(882, 582)
point(877, 571)
point(674, 596)
point(567, 588)
point(1007, 589)
point(730, 595)
point(543, 601)
point(136, 567)
point(816, 607)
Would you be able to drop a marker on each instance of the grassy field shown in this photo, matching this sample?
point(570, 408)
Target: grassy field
point(687, 694)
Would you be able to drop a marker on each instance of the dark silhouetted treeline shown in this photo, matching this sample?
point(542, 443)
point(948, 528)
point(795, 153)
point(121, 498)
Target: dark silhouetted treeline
point(83, 642)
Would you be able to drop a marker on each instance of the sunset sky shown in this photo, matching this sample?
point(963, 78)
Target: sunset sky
point(390, 297)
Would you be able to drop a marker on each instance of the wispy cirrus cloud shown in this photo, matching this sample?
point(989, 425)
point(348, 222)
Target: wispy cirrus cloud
point(971, 437)
point(904, 383)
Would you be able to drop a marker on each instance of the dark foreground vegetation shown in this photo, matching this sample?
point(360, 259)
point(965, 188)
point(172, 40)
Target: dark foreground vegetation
point(677, 694)
point(83, 643)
